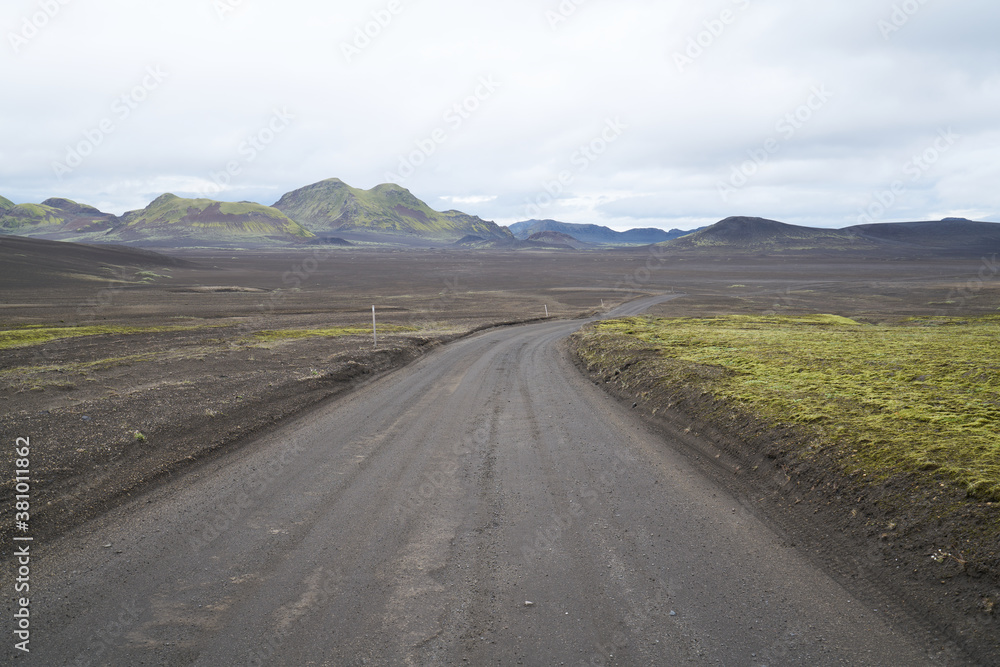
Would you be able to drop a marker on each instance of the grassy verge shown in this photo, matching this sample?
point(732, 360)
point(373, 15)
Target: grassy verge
point(920, 399)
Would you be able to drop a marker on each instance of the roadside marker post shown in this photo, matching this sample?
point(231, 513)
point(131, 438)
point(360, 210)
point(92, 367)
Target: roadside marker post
point(546, 311)
point(374, 330)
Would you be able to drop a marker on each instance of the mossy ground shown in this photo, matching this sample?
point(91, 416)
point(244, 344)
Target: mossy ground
point(921, 397)
point(271, 336)
point(36, 335)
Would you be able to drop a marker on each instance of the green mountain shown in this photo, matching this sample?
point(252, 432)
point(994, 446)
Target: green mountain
point(5, 204)
point(387, 209)
point(172, 221)
point(54, 218)
point(28, 218)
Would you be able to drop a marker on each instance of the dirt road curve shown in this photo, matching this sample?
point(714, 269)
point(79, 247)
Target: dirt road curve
point(484, 506)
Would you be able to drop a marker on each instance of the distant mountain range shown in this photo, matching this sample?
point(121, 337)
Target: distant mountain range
point(595, 234)
point(332, 212)
point(325, 212)
point(537, 241)
point(744, 234)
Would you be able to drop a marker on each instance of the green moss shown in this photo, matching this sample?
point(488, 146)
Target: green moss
point(922, 396)
point(34, 210)
point(34, 215)
point(37, 336)
point(335, 332)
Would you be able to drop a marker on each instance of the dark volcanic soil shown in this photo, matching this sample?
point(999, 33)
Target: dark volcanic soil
point(110, 415)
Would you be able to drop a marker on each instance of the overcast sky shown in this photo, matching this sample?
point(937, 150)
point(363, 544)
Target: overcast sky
point(632, 113)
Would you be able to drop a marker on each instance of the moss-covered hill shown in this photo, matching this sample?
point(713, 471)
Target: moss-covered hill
point(55, 217)
point(332, 205)
point(172, 219)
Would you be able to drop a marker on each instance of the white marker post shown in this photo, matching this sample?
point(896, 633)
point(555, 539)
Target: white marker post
point(374, 331)
point(546, 311)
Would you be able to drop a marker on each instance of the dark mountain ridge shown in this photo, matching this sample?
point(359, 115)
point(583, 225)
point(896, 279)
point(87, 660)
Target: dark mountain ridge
point(743, 234)
point(331, 211)
point(595, 234)
point(558, 239)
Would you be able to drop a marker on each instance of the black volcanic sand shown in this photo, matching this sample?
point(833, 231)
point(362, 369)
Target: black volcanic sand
point(111, 413)
point(197, 391)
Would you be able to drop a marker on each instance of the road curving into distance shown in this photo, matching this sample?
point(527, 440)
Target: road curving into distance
point(486, 505)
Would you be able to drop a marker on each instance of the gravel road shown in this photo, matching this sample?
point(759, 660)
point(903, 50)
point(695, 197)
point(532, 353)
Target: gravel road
point(486, 505)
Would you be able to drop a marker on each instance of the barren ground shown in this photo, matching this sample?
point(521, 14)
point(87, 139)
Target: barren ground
point(110, 415)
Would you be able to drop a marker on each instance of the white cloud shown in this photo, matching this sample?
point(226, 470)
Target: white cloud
point(473, 199)
point(355, 120)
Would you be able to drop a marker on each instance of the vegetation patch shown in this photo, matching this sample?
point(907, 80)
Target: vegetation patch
point(78, 367)
point(24, 337)
point(333, 332)
point(919, 399)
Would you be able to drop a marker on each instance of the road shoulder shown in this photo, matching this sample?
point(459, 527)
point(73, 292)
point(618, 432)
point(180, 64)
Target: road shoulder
point(834, 520)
